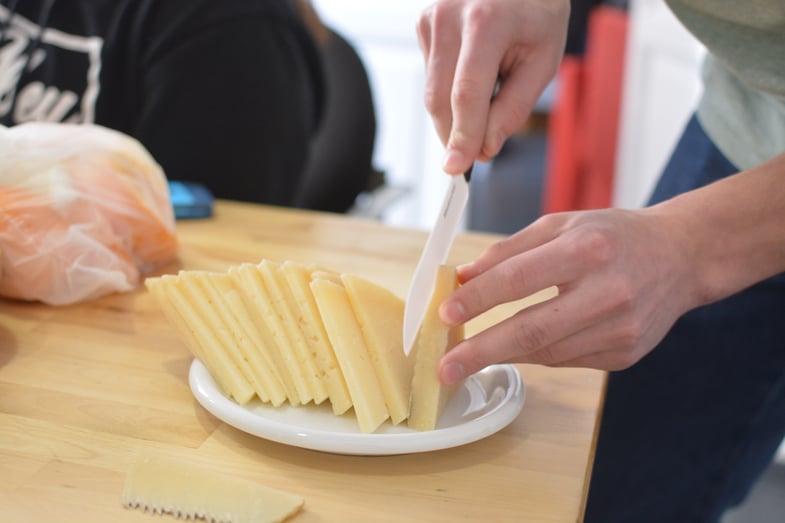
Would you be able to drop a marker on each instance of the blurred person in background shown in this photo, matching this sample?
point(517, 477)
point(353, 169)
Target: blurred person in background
point(682, 301)
point(229, 94)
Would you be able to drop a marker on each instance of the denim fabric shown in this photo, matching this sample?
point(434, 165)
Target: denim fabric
point(687, 430)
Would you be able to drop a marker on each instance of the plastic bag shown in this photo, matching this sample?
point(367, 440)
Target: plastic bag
point(84, 212)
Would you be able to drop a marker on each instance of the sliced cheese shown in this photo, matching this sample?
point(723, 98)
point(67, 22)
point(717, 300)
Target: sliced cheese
point(346, 337)
point(380, 316)
point(246, 336)
point(298, 278)
point(162, 485)
point(283, 303)
point(248, 280)
point(222, 370)
point(429, 396)
point(197, 290)
point(188, 319)
point(329, 276)
point(291, 332)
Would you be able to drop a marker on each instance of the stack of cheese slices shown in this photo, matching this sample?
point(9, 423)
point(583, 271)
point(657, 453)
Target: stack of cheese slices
point(290, 333)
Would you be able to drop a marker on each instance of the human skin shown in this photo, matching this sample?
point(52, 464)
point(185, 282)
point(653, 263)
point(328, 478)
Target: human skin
point(624, 276)
point(468, 46)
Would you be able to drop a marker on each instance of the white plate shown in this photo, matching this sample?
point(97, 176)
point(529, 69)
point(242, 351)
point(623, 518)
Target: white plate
point(486, 403)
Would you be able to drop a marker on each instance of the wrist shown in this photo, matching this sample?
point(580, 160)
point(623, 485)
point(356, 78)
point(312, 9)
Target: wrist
point(731, 233)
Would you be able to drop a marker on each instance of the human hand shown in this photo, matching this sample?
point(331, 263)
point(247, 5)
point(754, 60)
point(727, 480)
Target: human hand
point(624, 277)
point(470, 44)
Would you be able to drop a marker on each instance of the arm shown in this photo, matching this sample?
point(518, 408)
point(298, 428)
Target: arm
point(624, 277)
point(468, 45)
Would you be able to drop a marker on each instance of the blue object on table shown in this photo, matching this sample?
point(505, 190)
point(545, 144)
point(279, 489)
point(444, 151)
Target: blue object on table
point(190, 200)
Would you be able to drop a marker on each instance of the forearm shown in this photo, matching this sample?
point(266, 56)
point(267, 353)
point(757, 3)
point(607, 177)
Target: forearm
point(732, 230)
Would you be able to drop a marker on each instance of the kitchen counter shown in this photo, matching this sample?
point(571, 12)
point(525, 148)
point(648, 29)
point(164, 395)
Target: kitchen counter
point(83, 388)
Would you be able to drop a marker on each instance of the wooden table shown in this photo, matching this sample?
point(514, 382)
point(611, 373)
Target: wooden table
point(85, 387)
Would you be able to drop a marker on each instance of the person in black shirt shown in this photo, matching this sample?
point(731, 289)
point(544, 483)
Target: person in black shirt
point(229, 94)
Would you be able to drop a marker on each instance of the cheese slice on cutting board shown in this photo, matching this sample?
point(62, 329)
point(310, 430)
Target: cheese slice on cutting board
point(429, 396)
point(162, 485)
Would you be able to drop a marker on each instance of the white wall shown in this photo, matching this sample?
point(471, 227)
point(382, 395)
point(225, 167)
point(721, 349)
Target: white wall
point(407, 147)
point(661, 90)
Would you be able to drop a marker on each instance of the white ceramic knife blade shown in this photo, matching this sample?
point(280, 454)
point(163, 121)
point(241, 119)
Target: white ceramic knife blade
point(437, 247)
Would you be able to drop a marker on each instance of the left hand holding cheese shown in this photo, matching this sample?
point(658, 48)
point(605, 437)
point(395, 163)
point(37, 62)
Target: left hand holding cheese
point(624, 276)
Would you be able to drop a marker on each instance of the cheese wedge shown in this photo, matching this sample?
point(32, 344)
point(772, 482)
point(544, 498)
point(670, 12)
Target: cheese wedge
point(310, 322)
point(429, 396)
point(346, 337)
point(197, 289)
point(282, 303)
point(223, 370)
point(380, 316)
point(249, 281)
point(245, 335)
point(162, 485)
point(195, 324)
point(290, 332)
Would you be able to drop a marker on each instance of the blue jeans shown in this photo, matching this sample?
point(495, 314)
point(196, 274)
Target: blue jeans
point(687, 430)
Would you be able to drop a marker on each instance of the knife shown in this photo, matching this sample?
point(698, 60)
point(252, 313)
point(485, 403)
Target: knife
point(437, 247)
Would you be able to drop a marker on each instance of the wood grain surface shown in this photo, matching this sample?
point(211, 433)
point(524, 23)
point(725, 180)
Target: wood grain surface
point(85, 387)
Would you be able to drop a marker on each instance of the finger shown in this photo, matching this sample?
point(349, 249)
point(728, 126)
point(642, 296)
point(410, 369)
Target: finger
point(540, 232)
point(522, 335)
point(424, 33)
point(511, 279)
point(475, 79)
point(517, 95)
point(611, 344)
point(611, 360)
point(444, 43)
point(581, 320)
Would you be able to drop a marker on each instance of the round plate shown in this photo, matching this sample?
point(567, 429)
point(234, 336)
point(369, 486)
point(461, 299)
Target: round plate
point(485, 403)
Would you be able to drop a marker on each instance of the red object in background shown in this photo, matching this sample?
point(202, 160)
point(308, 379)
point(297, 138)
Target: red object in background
point(584, 123)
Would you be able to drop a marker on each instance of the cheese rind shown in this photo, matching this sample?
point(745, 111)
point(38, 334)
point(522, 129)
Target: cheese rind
point(429, 396)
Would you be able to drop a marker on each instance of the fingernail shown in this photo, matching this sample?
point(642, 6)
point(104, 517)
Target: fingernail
point(493, 143)
point(451, 313)
point(463, 270)
point(453, 160)
point(498, 141)
point(452, 373)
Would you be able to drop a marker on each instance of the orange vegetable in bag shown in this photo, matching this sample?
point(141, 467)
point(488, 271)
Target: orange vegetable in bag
point(84, 212)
